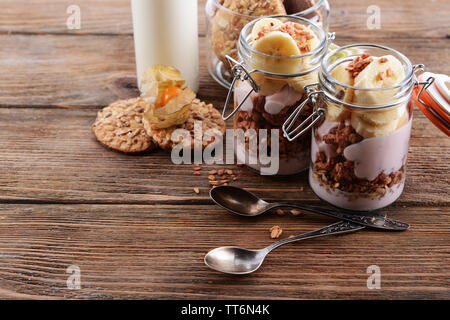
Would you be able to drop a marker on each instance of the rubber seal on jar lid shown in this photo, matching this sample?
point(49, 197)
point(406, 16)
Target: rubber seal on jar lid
point(432, 103)
point(442, 84)
point(433, 94)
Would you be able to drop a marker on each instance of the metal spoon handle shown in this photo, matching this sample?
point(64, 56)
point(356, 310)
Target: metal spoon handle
point(335, 228)
point(366, 220)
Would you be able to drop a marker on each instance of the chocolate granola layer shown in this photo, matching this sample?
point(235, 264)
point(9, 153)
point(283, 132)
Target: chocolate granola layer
point(297, 151)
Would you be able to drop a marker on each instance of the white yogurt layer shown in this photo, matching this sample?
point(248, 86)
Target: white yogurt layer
point(274, 103)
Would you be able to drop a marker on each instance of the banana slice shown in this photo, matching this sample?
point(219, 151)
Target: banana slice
point(337, 113)
point(368, 130)
point(344, 76)
point(372, 123)
point(268, 85)
point(298, 83)
point(343, 53)
point(382, 72)
point(314, 42)
point(403, 120)
point(277, 44)
point(383, 116)
point(263, 24)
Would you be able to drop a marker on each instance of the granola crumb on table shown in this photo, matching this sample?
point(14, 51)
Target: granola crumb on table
point(275, 232)
point(221, 176)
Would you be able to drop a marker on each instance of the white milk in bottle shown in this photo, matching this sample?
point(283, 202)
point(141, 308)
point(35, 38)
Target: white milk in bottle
point(166, 33)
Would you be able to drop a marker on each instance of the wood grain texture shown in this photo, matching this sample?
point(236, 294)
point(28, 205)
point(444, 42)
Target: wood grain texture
point(60, 161)
point(398, 18)
point(124, 220)
point(106, 17)
point(93, 71)
point(141, 252)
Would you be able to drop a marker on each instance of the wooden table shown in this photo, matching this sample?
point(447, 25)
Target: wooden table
point(133, 224)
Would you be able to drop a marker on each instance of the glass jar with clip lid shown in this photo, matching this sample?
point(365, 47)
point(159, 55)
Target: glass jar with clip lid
point(278, 56)
point(361, 125)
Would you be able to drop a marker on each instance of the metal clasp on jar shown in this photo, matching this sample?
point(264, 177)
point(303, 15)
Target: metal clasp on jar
point(425, 84)
point(239, 73)
point(292, 134)
point(302, 128)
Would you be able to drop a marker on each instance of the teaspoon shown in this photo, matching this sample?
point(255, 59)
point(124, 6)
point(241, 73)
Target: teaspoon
point(235, 260)
point(245, 203)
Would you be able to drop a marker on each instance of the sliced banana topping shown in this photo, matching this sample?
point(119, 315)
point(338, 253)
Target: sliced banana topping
point(368, 130)
point(371, 123)
point(268, 85)
point(299, 83)
point(382, 72)
point(264, 26)
point(341, 74)
point(336, 113)
point(276, 44)
point(369, 72)
point(383, 116)
point(281, 41)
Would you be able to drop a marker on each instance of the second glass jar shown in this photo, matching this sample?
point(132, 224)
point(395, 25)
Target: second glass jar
point(226, 18)
point(266, 92)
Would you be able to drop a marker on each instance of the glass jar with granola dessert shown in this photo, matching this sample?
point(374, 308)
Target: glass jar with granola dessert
point(361, 126)
point(226, 18)
point(279, 55)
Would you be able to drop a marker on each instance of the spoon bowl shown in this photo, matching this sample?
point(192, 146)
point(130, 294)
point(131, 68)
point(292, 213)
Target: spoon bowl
point(238, 201)
point(234, 260)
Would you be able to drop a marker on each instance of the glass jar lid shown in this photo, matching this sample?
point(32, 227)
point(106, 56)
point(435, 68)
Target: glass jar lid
point(432, 97)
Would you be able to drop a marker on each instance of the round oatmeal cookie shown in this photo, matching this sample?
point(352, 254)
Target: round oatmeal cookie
point(200, 111)
point(119, 127)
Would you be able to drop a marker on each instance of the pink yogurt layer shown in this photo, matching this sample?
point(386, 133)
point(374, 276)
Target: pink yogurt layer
point(380, 154)
point(274, 103)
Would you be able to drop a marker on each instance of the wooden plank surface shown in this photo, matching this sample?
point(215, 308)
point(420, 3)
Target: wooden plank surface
point(62, 162)
point(93, 71)
point(124, 220)
point(398, 19)
point(137, 251)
